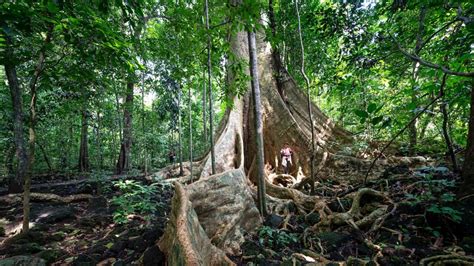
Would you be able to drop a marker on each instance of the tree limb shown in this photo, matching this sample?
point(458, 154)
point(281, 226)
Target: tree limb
point(440, 95)
point(432, 65)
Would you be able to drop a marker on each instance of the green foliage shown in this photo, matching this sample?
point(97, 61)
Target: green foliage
point(435, 198)
point(103, 183)
point(134, 198)
point(276, 238)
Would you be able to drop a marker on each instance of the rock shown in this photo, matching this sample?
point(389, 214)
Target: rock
point(50, 255)
point(153, 234)
point(312, 218)
point(225, 208)
point(292, 208)
point(98, 204)
point(26, 248)
point(137, 243)
point(441, 170)
point(118, 246)
point(95, 219)
point(335, 205)
point(269, 253)
point(396, 170)
point(58, 236)
point(250, 248)
point(22, 261)
point(468, 244)
point(56, 214)
point(273, 221)
point(332, 240)
point(153, 256)
point(352, 261)
point(98, 249)
point(303, 257)
point(107, 262)
point(84, 260)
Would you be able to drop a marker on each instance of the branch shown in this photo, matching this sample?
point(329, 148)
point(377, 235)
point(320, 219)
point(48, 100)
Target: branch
point(440, 95)
point(436, 33)
point(432, 65)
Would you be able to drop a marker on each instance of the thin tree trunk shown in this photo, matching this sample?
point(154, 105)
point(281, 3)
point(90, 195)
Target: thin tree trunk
point(143, 144)
point(9, 156)
point(468, 166)
point(15, 185)
point(209, 74)
point(204, 108)
point(99, 139)
point(447, 137)
point(84, 147)
point(123, 162)
point(119, 121)
point(413, 134)
point(190, 134)
point(308, 97)
point(180, 134)
point(32, 131)
point(45, 157)
point(258, 123)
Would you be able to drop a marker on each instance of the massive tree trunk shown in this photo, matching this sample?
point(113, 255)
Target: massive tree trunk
point(123, 163)
point(223, 202)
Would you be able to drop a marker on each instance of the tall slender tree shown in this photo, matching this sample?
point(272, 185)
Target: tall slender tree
point(123, 163)
point(15, 184)
point(258, 122)
point(209, 77)
point(308, 92)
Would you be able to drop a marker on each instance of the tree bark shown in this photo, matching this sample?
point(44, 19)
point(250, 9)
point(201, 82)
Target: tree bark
point(468, 165)
point(447, 136)
point(258, 123)
point(84, 165)
point(209, 76)
point(180, 134)
point(45, 157)
point(413, 134)
point(15, 185)
point(32, 130)
point(204, 108)
point(190, 133)
point(308, 92)
point(123, 162)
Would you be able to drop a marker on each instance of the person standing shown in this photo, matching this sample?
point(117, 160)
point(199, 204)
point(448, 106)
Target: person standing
point(171, 156)
point(286, 154)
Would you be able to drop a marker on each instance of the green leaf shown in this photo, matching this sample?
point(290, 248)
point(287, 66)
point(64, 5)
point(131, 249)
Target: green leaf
point(376, 120)
point(371, 108)
point(361, 113)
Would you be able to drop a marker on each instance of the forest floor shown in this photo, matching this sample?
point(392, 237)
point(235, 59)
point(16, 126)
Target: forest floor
point(426, 220)
point(83, 232)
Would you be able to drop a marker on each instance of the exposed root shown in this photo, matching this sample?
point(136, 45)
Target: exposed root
point(452, 259)
point(44, 197)
point(354, 217)
point(185, 242)
point(301, 200)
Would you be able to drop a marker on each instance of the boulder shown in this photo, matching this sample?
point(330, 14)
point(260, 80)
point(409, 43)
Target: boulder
point(153, 256)
point(22, 261)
